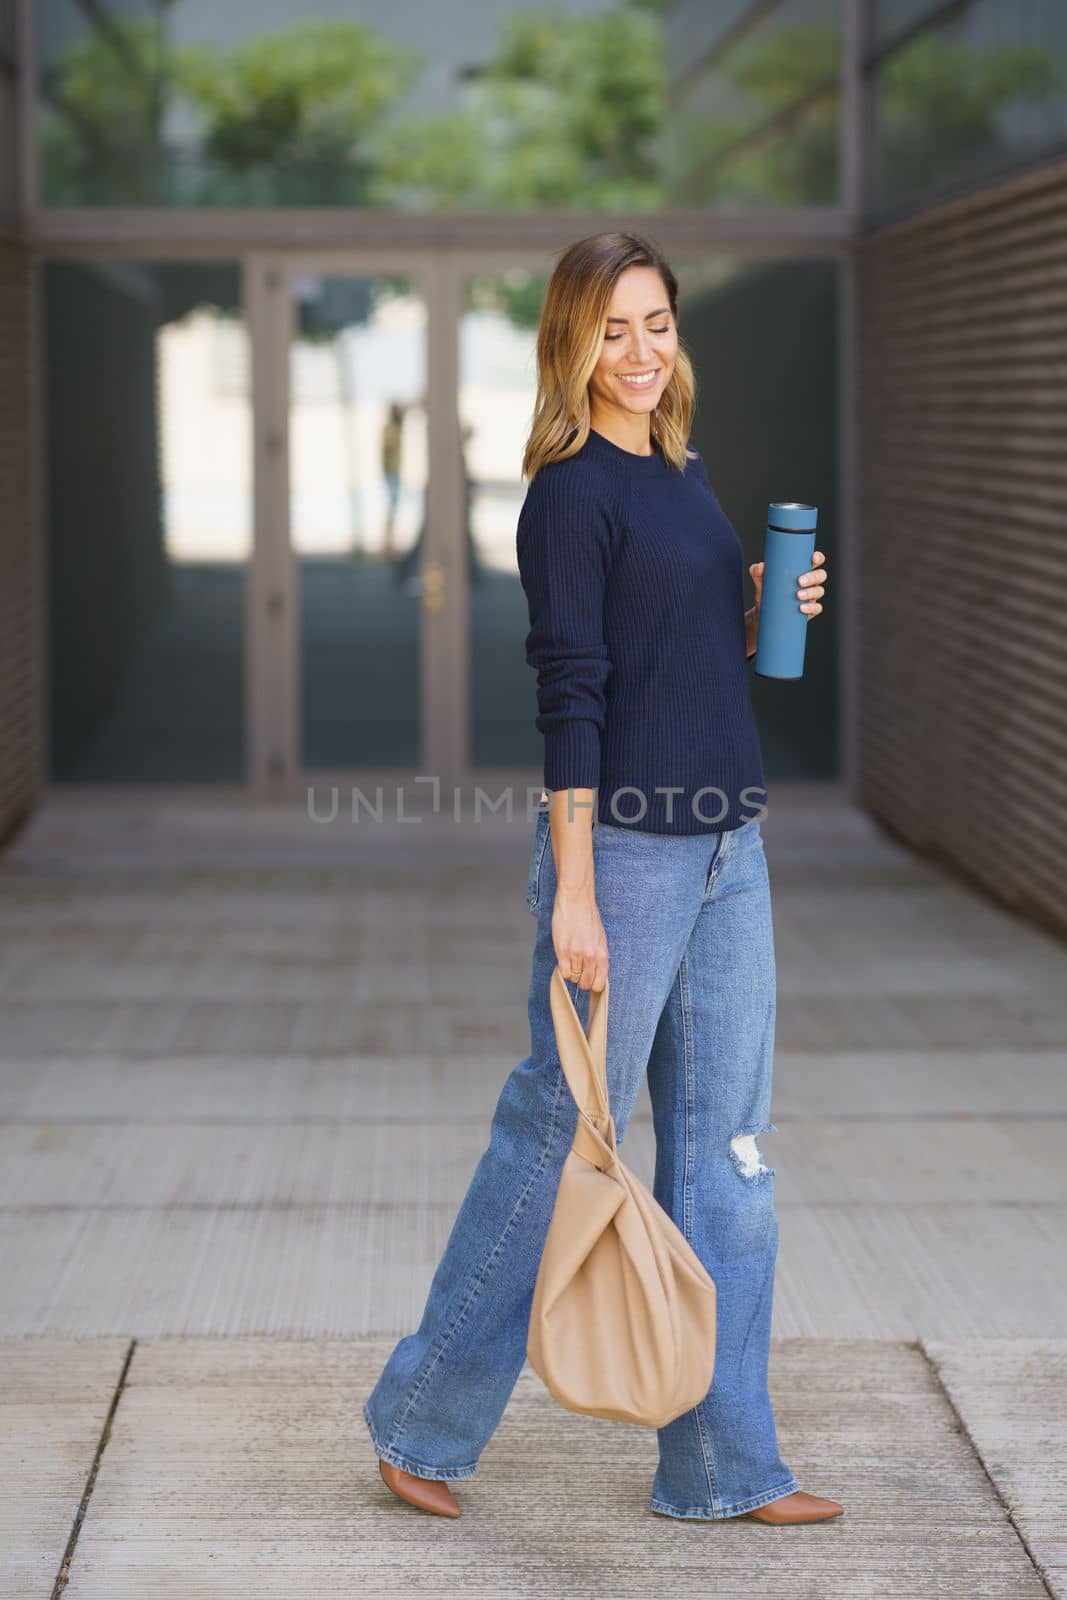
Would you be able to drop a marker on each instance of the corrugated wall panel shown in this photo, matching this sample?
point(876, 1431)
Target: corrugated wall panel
point(962, 532)
point(19, 686)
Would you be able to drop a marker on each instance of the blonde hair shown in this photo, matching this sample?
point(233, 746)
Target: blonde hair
point(569, 340)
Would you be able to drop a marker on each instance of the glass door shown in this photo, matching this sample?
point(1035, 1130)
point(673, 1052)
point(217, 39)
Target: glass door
point(357, 515)
point(387, 620)
point(342, 476)
point(497, 387)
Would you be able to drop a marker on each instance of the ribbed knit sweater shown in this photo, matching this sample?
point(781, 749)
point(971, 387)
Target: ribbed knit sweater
point(633, 576)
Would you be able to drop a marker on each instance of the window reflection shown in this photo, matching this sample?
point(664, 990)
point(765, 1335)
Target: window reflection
point(614, 105)
point(965, 95)
point(754, 95)
point(358, 473)
point(148, 428)
point(498, 379)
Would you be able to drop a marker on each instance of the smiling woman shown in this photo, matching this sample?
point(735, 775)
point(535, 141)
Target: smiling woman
point(633, 379)
point(633, 573)
point(637, 360)
point(634, 580)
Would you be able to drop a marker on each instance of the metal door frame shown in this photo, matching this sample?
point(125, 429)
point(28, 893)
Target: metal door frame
point(272, 649)
point(272, 613)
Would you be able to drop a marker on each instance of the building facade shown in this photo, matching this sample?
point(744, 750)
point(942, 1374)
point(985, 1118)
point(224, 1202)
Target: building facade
point(269, 284)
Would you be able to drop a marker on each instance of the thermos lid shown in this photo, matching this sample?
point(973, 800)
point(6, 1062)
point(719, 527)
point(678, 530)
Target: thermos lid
point(793, 516)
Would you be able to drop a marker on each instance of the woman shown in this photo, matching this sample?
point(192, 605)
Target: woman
point(634, 580)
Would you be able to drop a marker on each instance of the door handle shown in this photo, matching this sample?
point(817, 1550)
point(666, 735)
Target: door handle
point(433, 587)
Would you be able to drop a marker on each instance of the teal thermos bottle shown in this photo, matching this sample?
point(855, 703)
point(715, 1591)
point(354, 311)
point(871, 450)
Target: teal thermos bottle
point(787, 552)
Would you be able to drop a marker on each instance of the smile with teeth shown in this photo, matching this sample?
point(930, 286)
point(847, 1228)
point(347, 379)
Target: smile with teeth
point(639, 380)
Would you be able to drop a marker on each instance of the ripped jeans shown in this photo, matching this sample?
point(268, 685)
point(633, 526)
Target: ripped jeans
point(692, 1002)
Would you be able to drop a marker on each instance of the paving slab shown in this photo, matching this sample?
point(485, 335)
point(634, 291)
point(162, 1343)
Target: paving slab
point(1011, 1396)
point(225, 1034)
point(242, 1468)
point(445, 1025)
point(916, 1084)
point(54, 1401)
point(861, 1271)
point(984, 1161)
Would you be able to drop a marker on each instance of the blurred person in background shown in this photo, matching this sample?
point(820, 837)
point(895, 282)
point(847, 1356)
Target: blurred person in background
point(392, 455)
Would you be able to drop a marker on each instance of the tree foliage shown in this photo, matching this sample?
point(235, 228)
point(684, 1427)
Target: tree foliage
point(566, 111)
point(299, 110)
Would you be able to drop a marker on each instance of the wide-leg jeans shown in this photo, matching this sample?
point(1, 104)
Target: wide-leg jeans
point(692, 1004)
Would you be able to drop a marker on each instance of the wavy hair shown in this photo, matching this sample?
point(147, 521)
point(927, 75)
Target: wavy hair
point(569, 340)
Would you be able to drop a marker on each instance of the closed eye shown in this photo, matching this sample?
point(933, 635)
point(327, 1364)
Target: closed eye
point(609, 337)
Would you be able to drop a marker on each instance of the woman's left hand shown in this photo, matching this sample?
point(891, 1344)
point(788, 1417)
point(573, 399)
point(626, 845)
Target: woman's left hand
point(811, 585)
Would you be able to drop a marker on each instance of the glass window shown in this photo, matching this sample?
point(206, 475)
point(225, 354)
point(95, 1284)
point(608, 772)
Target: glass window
point(895, 17)
point(485, 105)
point(767, 430)
point(358, 467)
point(754, 95)
point(966, 97)
point(149, 472)
point(498, 381)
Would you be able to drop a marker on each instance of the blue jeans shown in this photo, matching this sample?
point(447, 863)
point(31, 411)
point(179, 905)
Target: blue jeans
point(692, 1001)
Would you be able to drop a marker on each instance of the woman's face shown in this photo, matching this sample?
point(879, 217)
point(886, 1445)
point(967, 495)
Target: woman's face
point(640, 345)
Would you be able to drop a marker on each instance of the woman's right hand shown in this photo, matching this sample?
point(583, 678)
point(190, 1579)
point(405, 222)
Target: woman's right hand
point(578, 937)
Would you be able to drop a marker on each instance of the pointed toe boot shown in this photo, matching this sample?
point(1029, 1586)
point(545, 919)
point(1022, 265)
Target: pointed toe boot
point(429, 1494)
point(797, 1507)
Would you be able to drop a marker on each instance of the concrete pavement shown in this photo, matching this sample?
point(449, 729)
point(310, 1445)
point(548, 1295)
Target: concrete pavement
point(247, 1066)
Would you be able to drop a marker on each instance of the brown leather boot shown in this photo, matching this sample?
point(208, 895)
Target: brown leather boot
point(429, 1494)
point(796, 1507)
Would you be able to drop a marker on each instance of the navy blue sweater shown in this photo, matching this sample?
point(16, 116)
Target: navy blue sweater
point(634, 579)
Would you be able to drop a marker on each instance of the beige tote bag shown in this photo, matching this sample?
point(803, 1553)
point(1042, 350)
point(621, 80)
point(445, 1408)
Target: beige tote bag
point(623, 1317)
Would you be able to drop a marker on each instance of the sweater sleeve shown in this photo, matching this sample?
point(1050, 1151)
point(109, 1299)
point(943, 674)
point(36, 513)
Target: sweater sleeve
point(563, 544)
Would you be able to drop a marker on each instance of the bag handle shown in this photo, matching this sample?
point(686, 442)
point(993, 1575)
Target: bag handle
point(583, 1055)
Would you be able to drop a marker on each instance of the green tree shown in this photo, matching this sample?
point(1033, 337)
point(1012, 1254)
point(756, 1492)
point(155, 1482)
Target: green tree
point(567, 111)
point(940, 101)
point(103, 99)
point(284, 119)
point(291, 117)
